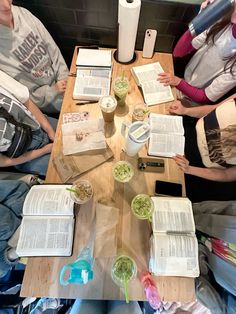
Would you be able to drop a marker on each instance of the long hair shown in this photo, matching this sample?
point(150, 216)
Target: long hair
point(222, 144)
point(211, 36)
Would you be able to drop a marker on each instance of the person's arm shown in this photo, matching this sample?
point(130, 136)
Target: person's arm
point(184, 46)
point(43, 121)
point(195, 112)
point(213, 174)
point(194, 93)
point(33, 154)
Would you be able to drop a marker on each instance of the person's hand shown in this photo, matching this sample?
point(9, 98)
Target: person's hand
point(177, 108)
point(182, 162)
point(168, 79)
point(205, 4)
point(51, 134)
point(47, 148)
point(61, 86)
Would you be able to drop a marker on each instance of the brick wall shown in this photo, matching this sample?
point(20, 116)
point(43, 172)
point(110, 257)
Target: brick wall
point(73, 22)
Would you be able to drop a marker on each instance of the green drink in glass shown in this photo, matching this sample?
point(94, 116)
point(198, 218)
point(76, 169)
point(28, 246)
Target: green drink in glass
point(121, 87)
point(123, 270)
point(142, 206)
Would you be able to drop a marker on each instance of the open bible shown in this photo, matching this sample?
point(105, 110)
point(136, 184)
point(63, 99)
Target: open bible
point(167, 135)
point(153, 91)
point(174, 247)
point(93, 74)
point(47, 225)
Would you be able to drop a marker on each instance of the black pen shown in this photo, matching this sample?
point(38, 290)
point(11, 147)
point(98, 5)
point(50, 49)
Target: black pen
point(86, 102)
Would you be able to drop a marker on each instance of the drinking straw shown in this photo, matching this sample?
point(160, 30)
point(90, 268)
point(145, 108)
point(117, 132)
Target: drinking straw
point(71, 190)
point(126, 291)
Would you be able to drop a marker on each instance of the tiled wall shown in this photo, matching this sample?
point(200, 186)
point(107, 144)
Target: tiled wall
point(72, 22)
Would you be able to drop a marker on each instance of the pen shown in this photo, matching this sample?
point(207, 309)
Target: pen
point(86, 102)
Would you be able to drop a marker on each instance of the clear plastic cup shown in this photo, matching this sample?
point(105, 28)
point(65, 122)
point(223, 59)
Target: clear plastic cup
point(140, 112)
point(108, 106)
point(122, 171)
point(121, 88)
point(123, 270)
point(142, 206)
point(81, 192)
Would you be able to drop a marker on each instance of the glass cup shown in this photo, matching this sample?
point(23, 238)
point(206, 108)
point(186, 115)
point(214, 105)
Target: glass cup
point(140, 112)
point(121, 87)
point(142, 206)
point(123, 270)
point(108, 106)
point(122, 171)
point(81, 192)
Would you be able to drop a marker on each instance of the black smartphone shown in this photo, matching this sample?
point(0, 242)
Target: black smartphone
point(168, 188)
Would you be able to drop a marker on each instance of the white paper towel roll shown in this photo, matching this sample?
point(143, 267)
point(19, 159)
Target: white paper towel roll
point(128, 16)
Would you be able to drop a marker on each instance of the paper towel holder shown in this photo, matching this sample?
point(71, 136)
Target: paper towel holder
point(129, 62)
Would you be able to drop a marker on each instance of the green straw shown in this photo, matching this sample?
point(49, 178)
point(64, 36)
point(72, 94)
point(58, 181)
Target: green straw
point(71, 190)
point(126, 291)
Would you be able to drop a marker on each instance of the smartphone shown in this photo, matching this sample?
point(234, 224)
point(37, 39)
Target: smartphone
point(149, 43)
point(168, 188)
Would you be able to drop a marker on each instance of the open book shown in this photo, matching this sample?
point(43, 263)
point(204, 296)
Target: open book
point(47, 225)
point(167, 135)
point(153, 91)
point(174, 247)
point(93, 75)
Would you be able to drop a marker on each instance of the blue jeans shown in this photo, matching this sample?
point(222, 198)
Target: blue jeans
point(12, 196)
point(105, 307)
point(40, 164)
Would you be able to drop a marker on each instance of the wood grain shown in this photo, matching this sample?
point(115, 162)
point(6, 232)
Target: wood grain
point(42, 274)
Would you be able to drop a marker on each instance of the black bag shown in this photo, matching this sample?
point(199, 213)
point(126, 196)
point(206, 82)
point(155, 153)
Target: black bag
point(22, 137)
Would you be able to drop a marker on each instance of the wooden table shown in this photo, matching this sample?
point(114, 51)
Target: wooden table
point(42, 274)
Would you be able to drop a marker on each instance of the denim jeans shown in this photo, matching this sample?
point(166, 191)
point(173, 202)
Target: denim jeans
point(12, 196)
point(40, 164)
point(105, 307)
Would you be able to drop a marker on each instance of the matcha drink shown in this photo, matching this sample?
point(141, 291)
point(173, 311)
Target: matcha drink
point(121, 87)
point(142, 206)
point(123, 270)
point(122, 171)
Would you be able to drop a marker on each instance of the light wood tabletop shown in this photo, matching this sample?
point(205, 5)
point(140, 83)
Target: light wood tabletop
point(42, 273)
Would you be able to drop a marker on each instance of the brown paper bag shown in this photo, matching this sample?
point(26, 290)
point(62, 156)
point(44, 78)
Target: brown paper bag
point(107, 219)
point(72, 166)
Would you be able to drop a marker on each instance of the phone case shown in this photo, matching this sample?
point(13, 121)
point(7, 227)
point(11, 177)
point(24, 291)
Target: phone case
point(149, 43)
point(151, 164)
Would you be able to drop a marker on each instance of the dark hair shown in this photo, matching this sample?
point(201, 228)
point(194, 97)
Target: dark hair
point(216, 29)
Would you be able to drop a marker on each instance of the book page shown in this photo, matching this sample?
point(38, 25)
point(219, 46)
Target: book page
point(166, 145)
point(45, 236)
point(78, 137)
point(154, 92)
point(172, 214)
point(163, 123)
point(48, 200)
point(92, 83)
point(174, 255)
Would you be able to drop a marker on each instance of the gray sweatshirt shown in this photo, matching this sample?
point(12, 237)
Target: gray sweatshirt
point(29, 54)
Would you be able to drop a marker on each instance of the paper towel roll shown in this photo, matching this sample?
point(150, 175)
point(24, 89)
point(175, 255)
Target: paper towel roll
point(128, 16)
